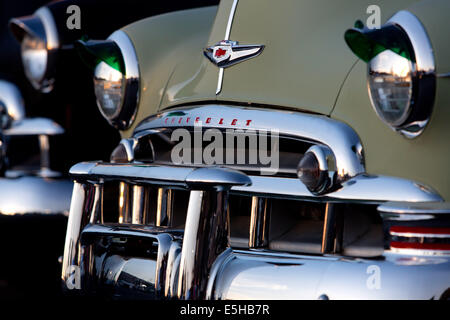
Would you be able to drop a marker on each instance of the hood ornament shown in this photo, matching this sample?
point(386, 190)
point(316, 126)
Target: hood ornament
point(227, 53)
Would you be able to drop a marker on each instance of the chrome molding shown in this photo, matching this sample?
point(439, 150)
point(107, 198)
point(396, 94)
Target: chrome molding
point(34, 127)
point(227, 37)
point(219, 81)
point(230, 20)
point(189, 178)
point(406, 211)
point(339, 137)
point(360, 189)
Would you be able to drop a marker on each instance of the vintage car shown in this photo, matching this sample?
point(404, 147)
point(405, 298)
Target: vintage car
point(270, 150)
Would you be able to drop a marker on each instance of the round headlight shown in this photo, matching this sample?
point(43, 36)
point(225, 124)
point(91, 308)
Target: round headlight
point(109, 87)
point(402, 85)
point(401, 71)
point(116, 77)
point(391, 87)
point(39, 43)
point(34, 58)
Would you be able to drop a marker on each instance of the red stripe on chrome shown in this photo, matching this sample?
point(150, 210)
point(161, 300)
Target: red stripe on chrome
point(400, 229)
point(423, 246)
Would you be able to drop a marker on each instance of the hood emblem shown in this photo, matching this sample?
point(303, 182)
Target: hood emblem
point(227, 53)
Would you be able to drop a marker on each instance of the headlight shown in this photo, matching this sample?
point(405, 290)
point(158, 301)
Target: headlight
point(401, 71)
point(390, 87)
point(34, 58)
point(39, 42)
point(109, 89)
point(116, 77)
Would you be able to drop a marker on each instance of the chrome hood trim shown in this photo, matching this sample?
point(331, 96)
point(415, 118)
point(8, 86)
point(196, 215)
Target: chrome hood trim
point(339, 137)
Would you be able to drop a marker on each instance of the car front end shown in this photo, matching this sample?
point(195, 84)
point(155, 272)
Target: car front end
point(258, 162)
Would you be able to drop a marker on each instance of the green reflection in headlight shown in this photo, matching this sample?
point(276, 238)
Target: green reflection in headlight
point(93, 52)
point(368, 43)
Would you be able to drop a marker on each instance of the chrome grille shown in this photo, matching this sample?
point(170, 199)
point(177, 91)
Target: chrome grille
point(198, 218)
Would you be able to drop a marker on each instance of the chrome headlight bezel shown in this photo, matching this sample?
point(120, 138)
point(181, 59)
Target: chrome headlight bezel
point(417, 114)
point(123, 117)
point(39, 27)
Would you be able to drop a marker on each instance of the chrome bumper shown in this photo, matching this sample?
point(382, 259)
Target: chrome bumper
point(135, 260)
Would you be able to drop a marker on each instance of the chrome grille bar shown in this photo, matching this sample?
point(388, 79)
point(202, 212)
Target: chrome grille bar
point(164, 208)
point(139, 205)
point(259, 223)
point(360, 189)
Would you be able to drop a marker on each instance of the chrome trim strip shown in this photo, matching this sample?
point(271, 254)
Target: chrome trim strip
point(420, 252)
point(433, 208)
point(227, 37)
point(34, 126)
point(219, 81)
point(360, 189)
point(230, 20)
point(339, 137)
point(419, 235)
point(191, 178)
